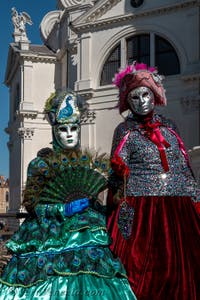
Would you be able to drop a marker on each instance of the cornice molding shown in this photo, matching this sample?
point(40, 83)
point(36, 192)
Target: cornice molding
point(90, 19)
point(191, 77)
point(17, 57)
point(28, 114)
point(95, 12)
point(38, 58)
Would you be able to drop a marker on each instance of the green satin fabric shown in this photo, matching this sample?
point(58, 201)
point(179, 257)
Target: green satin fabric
point(66, 242)
point(57, 254)
point(81, 287)
point(56, 233)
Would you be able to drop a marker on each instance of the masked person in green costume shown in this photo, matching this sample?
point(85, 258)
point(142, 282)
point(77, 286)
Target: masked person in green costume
point(61, 251)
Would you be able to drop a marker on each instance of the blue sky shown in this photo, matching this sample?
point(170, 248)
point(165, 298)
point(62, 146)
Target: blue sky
point(36, 9)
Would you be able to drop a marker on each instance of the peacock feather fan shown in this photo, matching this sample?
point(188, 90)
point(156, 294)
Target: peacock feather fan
point(74, 175)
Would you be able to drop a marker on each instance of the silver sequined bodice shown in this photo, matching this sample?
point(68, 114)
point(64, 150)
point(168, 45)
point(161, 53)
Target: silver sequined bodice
point(147, 177)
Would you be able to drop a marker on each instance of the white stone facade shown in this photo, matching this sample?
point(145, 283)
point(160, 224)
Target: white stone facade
point(4, 195)
point(80, 35)
point(30, 77)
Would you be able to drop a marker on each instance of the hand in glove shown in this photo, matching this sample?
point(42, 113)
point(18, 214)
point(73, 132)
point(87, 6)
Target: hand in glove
point(75, 207)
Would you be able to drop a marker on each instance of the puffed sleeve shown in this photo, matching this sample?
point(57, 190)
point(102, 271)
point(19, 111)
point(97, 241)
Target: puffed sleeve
point(37, 174)
point(119, 163)
point(120, 153)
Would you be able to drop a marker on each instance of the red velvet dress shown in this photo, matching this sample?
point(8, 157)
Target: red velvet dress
point(161, 252)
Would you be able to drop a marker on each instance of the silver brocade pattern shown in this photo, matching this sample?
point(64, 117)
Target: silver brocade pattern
point(125, 219)
point(147, 177)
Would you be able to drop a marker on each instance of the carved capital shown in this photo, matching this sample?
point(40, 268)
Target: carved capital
point(26, 133)
point(88, 117)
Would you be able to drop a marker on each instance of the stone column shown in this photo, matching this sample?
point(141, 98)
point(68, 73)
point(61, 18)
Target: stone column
point(84, 81)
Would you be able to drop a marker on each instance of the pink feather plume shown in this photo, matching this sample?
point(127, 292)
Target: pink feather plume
point(131, 69)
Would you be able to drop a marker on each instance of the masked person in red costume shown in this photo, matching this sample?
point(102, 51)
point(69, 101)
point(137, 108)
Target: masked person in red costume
point(155, 223)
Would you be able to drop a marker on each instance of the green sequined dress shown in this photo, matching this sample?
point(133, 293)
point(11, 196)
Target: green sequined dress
point(60, 257)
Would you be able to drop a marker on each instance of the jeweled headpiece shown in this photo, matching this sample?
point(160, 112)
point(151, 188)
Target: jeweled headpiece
point(137, 75)
point(64, 108)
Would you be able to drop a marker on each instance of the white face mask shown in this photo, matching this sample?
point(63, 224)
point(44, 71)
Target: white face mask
point(141, 100)
point(67, 135)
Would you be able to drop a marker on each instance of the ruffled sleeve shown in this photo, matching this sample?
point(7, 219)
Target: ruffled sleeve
point(120, 157)
point(37, 174)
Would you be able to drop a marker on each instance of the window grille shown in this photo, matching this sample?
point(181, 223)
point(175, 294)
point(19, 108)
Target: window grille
point(166, 58)
point(111, 66)
point(139, 48)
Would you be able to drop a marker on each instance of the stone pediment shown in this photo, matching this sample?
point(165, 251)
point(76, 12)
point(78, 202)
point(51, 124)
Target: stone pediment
point(101, 13)
point(96, 12)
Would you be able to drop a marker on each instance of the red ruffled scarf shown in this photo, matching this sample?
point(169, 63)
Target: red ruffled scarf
point(152, 131)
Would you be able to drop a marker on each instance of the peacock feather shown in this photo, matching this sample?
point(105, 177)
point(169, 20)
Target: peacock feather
point(4, 256)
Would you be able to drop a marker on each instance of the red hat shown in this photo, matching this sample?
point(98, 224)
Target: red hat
point(137, 75)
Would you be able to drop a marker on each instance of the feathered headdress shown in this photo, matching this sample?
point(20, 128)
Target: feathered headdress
point(137, 75)
point(64, 107)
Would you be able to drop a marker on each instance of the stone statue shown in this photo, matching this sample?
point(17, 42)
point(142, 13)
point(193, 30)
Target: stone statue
point(19, 22)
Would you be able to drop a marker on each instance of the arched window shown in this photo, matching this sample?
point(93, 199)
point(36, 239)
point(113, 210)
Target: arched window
point(111, 66)
point(166, 58)
point(138, 48)
point(147, 48)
